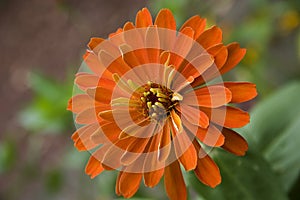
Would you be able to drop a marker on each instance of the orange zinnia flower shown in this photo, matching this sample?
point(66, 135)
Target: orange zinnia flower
point(148, 105)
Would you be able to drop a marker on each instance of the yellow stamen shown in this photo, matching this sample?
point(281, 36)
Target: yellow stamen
point(159, 105)
point(177, 97)
point(161, 95)
point(149, 104)
point(163, 100)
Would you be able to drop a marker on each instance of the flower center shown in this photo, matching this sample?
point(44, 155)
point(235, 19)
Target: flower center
point(158, 101)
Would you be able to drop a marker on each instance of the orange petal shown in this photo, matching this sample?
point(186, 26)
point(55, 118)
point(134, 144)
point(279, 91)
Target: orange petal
point(133, 44)
point(142, 129)
point(151, 179)
point(100, 94)
point(143, 18)
point(82, 136)
point(189, 158)
point(128, 26)
point(115, 38)
point(210, 136)
point(210, 37)
point(196, 23)
point(108, 83)
point(193, 115)
point(113, 64)
point(210, 96)
point(221, 57)
point(107, 115)
point(227, 116)
point(106, 133)
point(87, 116)
point(208, 172)
point(80, 102)
point(94, 42)
point(153, 168)
point(134, 150)
point(86, 81)
point(165, 143)
point(152, 44)
point(111, 159)
point(235, 55)
point(129, 183)
point(119, 30)
point(214, 50)
point(128, 56)
point(91, 60)
point(182, 47)
point(197, 66)
point(93, 167)
point(117, 189)
point(241, 91)
point(234, 142)
point(174, 182)
point(79, 132)
point(165, 19)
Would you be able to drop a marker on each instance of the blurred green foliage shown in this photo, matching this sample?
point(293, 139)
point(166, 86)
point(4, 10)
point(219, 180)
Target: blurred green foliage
point(47, 111)
point(7, 155)
point(272, 164)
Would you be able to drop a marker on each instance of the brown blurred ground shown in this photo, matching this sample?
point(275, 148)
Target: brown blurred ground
point(49, 36)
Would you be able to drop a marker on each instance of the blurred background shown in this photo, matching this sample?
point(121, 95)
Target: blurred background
point(41, 46)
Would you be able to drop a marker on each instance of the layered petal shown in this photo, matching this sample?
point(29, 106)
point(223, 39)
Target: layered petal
point(228, 116)
point(207, 171)
point(165, 19)
point(82, 137)
point(210, 37)
point(241, 91)
point(80, 103)
point(93, 167)
point(174, 182)
point(235, 55)
point(234, 142)
point(128, 183)
point(143, 18)
point(85, 81)
point(94, 42)
point(194, 115)
point(210, 96)
point(151, 179)
point(196, 23)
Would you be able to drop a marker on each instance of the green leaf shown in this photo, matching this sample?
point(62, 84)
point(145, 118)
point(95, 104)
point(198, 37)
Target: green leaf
point(248, 178)
point(53, 181)
point(8, 155)
point(47, 112)
point(274, 130)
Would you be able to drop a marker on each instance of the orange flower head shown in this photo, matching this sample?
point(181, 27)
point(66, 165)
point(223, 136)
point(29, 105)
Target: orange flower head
point(147, 104)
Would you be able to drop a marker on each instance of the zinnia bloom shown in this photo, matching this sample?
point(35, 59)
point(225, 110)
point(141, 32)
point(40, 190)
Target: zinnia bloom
point(148, 104)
